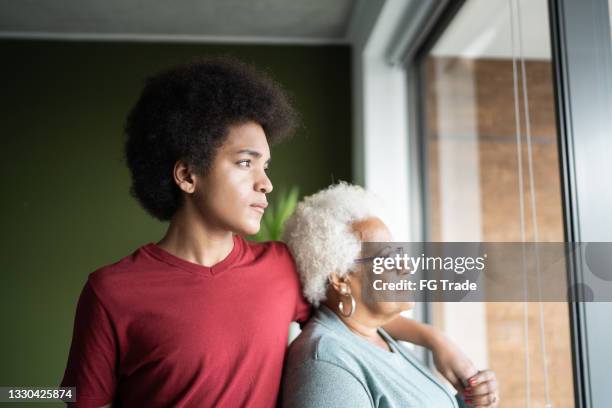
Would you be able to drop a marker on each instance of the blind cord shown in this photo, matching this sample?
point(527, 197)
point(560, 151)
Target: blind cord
point(519, 153)
point(534, 214)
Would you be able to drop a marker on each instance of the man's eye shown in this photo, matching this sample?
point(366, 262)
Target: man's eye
point(244, 163)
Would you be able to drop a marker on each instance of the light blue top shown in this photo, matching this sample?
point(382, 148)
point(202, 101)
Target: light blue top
point(330, 366)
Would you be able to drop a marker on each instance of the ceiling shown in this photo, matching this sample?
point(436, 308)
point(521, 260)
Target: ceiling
point(485, 29)
point(275, 21)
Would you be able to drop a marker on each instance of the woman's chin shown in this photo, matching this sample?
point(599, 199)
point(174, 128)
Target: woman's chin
point(391, 309)
point(400, 307)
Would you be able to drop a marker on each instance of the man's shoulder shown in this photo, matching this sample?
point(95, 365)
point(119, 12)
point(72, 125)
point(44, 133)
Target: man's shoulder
point(274, 253)
point(277, 248)
point(116, 274)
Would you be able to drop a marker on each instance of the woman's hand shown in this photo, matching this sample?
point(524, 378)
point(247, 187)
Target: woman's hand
point(482, 391)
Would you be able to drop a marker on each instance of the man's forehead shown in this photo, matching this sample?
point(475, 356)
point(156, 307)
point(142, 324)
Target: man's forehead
point(238, 145)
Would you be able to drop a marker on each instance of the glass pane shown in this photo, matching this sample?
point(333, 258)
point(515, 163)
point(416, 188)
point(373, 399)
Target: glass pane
point(481, 129)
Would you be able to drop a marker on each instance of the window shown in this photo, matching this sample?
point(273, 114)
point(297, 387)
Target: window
point(458, 147)
point(492, 174)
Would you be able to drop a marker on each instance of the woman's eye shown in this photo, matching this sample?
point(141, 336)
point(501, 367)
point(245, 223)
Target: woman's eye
point(244, 163)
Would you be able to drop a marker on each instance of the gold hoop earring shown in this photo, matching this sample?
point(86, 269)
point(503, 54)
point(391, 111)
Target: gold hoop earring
point(341, 306)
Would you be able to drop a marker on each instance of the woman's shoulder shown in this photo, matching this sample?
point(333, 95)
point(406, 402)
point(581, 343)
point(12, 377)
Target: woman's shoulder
point(320, 342)
point(321, 371)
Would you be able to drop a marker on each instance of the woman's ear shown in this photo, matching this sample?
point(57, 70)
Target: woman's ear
point(184, 177)
point(340, 284)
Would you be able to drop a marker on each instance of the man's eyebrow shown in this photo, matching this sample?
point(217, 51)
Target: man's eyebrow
point(253, 153)
point(250, 152)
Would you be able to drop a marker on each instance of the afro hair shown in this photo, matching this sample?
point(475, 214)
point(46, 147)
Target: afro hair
point(184, 113)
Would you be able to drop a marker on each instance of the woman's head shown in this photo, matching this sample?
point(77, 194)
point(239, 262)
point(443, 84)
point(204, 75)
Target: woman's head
point(325, 235)
point(320, 237)
point(190, 115)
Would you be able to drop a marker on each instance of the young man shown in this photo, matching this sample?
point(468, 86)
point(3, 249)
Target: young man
point(200, 319)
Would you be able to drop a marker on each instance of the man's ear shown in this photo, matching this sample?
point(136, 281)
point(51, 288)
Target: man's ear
point(184, 177)
point(340, 284)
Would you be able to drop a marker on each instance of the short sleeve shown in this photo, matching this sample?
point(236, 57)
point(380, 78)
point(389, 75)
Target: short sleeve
point(92, 359)
point(320, 384)
point(303, 310)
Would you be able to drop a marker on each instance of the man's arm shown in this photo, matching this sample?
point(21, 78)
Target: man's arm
point(92, 357)
point(450, 361)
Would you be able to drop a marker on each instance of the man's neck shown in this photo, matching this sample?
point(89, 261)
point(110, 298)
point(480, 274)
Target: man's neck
point(191, 239)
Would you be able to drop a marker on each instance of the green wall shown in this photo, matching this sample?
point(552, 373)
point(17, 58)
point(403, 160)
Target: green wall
point(65, 203)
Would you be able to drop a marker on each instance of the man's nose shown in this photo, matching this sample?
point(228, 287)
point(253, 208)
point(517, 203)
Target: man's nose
point(263, 184)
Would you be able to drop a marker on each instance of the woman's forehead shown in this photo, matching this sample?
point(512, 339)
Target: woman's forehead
point(371, 229)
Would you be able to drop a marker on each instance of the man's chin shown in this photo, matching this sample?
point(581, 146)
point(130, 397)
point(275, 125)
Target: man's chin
point(248, 229)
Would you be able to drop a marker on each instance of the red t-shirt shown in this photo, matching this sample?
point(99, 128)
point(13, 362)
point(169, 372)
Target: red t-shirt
point(155, 330)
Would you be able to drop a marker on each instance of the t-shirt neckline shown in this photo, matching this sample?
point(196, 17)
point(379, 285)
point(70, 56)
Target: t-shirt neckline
point(166, 257)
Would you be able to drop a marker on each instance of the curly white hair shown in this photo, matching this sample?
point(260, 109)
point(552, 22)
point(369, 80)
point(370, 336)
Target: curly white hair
point(320, 237)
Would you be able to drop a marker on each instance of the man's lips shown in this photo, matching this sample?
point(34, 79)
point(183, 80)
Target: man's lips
point(260, 207)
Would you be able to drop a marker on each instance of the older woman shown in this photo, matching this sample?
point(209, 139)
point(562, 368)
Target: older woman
point(343, 357)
